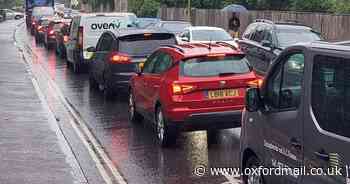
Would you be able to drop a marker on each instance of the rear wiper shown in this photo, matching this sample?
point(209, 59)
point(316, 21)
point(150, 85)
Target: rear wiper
point(228, 73)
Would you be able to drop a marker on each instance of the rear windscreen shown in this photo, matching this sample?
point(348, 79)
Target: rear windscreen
point(43, 11)
point(144, 44)
point(99, 24)
point(214, 66)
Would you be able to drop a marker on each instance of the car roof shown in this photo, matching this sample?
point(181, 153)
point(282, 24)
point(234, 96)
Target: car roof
point(291, 26)
point(105, 14)
point(189, 50)
point(134, 31)
point(323, 46)
point(192, 28)
point(175, 21)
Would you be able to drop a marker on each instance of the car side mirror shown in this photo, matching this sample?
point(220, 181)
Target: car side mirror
point(91, 49)
point(185, 39)
point(266, 43)
point(252, 100)
point(139, 68)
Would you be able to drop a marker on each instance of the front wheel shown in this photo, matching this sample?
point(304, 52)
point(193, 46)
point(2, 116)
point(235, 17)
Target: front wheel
point(253, 163)
point(166, 134)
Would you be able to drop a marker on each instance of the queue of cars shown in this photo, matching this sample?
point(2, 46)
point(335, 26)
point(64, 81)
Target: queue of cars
point(199, 78)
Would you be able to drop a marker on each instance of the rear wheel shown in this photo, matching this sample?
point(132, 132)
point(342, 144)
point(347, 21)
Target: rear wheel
point(253, 163)
point(108, 91)
point(76, 67)
point(134, 116)
point(166, 134)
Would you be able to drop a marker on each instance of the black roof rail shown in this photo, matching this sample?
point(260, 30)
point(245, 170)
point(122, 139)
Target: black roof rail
point(226, 44)
point(174, 47)
point(264, 21)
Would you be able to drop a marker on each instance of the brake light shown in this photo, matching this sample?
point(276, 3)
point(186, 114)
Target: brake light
point(51, 32)
point(118, 58)
point(33, 23)
point(179, 89)
point(40, 28)
point(257, 83)
point(216, 55)
point(80, 37)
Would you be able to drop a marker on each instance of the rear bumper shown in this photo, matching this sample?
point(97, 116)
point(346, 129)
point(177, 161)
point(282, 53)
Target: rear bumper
point(120, 81)
point(210, 121)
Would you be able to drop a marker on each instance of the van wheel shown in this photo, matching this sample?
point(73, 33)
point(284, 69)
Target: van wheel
point(134, 116)
point(253, 163)
point(166, 134)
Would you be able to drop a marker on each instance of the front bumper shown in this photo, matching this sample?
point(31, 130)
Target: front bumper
point(210, 121)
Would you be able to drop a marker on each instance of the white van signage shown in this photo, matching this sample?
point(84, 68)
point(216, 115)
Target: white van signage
point(100, 26)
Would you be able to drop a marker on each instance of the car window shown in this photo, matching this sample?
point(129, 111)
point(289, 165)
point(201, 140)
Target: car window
point(141, 45)
point(249, 31)
point(285, 84)
point(164, 62)
point(214, 66)
point(259, 35)
point(105, 44)
point(268, 33)
point(185, 34)
point(331, 94)
point(288, 37)
point(211, 35)
point(150, 63)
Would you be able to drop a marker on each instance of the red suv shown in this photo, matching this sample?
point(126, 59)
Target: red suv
point(191, 87)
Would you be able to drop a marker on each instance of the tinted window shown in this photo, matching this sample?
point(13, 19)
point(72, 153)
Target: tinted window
point(164, 62)
point(249, 31)
point(105, 44)
point(144, 44)
point(284, 86)
point(287, 37)
point(210, 35)
point(214, 66)
point(150, 63)
point(331, 94)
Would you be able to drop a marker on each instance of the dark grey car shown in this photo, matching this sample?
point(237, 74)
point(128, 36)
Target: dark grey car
point(263, 40)
point(300, 117)
point(118, 54)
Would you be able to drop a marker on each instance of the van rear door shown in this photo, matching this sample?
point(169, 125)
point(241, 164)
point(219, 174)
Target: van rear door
point(94, 26)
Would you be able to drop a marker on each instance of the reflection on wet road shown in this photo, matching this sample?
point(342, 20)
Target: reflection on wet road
point(133, 147)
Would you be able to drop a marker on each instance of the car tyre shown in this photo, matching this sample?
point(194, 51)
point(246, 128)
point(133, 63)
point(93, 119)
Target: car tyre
point(108, 92)
point(166, 134)
point(253, 163)
point(134, 116)
point(76, 67)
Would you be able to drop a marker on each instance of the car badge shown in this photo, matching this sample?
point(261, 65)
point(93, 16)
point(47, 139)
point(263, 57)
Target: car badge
point(222, 83)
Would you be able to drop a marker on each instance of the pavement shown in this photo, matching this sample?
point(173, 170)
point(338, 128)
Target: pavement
point(31, 147)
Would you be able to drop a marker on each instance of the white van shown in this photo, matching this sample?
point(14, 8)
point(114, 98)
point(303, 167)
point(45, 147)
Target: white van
point(85, 31)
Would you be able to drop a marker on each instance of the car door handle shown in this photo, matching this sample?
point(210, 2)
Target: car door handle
point(295, 143)
point(322, 155)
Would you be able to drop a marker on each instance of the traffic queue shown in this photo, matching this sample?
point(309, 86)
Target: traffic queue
point(289, 97)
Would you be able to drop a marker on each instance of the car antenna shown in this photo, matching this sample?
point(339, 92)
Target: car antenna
point(210, 44)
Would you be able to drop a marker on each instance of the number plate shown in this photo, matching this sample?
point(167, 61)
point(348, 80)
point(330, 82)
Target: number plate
point(224, 93)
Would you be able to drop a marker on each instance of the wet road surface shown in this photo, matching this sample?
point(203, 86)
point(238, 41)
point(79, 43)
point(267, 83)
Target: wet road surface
point(133, 147)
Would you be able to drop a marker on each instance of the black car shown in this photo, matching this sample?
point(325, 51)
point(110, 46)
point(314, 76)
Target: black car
point(263, 40)
point(298, 120)
point(118, 54)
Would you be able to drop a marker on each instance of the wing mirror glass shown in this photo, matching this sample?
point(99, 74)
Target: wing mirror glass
point(252, 100)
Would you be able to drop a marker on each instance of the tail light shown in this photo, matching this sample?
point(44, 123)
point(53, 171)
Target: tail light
point(118, 58)
point(80, 37)
point(257, 83)
point(179, 89)
point(33, 23)
point(51, 32)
